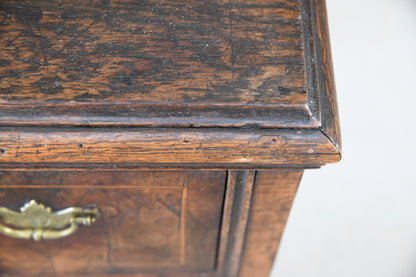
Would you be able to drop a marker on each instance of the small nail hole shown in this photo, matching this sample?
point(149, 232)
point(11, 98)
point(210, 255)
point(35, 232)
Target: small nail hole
point(80, 145)
point(274, 140)
point(185, 141)
point(3, 151)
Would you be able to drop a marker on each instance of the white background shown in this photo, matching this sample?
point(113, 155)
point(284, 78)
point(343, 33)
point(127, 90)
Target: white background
point(358, 217)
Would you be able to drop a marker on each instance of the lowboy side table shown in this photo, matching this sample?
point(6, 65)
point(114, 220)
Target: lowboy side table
point(158, 138)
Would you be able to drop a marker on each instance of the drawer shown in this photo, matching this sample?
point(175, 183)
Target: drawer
point(151, 221)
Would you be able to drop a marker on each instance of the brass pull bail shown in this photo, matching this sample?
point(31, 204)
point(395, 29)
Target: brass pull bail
point(37, 222)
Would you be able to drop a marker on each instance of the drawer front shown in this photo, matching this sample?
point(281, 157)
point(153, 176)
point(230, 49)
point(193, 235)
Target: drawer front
point(151, 221)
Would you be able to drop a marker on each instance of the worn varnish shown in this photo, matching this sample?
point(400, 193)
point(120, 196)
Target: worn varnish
point(70, 62)
point(152, 51)
point(151, 221)
point(220, 148)
point(187, 123)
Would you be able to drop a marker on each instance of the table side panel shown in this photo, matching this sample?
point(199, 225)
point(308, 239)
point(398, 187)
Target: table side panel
point(273, 194)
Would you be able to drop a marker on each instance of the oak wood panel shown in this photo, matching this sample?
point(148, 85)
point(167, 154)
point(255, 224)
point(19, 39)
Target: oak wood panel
point(272, 199)
point(146, 218)
point(152, 51)
point(204, 206)
point(164, 147)
point(112, 63)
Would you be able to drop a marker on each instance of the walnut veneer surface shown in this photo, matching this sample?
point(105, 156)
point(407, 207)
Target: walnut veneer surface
point(187, 123)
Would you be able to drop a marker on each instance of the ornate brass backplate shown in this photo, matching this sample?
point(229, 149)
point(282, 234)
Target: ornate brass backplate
point(35, 221)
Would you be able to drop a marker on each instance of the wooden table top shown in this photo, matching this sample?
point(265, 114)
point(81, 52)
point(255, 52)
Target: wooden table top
point(238, 65)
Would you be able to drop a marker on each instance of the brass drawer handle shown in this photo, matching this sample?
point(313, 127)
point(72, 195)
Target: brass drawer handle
point(39, 222)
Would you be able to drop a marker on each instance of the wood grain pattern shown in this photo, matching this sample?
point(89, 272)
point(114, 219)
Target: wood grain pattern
point(113, 63)
point(152, 51)
point(262, 36)
point(272, 199)
point(140, 227)
point(164, 147)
